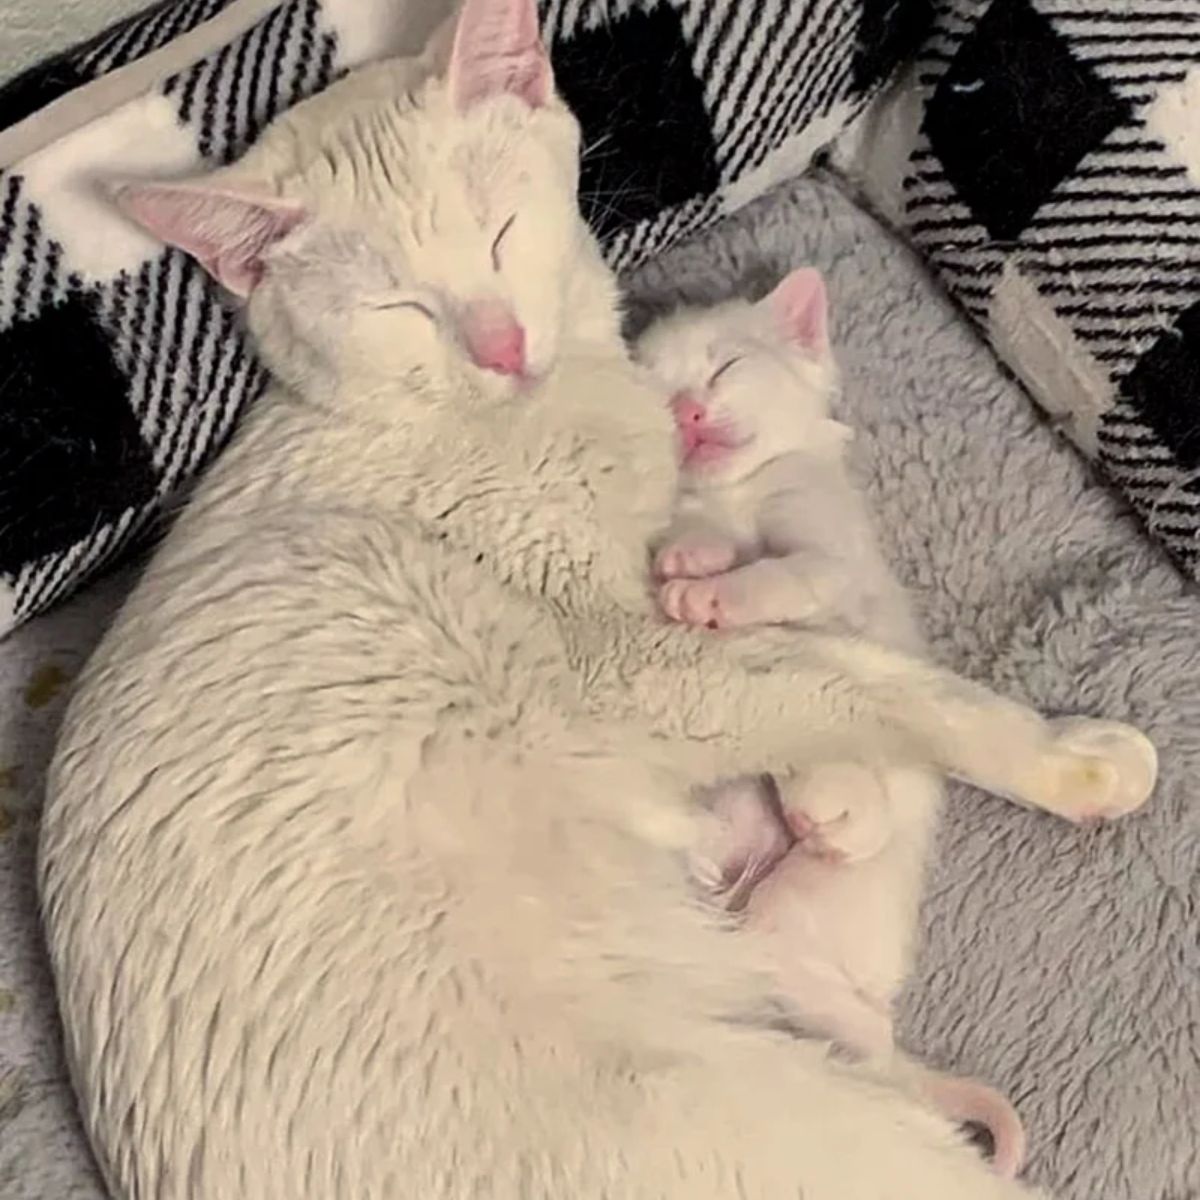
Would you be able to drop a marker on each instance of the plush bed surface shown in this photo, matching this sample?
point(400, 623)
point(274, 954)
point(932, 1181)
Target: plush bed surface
point(1062, 965)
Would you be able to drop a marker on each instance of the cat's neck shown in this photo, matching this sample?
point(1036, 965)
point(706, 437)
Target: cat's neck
point(558, 492)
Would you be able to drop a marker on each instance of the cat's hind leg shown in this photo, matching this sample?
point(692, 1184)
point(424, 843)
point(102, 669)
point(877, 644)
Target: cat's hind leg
point(1079, 768)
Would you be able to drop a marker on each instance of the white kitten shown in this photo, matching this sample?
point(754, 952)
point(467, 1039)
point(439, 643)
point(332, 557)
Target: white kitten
point(771, 528)
point(361, 859)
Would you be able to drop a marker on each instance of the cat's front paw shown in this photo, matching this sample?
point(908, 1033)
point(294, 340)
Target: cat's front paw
point(838, 812)
point(703, 602)
point(1095, 770)
point(694, 557)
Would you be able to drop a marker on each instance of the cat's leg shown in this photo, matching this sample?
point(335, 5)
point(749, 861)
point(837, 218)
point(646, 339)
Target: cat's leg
point(769, 591)
point(1079, 767)
point(838, 811)
point(692, 549)
point(781, 702)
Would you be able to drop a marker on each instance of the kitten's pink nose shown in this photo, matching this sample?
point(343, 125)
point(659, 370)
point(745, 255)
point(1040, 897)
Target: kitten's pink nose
point(687, 410)
point(495, 339)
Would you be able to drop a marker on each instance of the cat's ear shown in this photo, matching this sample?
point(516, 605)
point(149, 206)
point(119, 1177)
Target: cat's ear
point(226, 231)
point(498, 50)
point(800, 309)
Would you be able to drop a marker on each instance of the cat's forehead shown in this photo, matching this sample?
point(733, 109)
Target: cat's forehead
point(420, 159)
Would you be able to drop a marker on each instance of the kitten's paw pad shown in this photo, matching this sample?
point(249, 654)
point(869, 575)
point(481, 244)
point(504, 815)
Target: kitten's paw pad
point(697, 602)
point(1098, 770)
point(694, 558)
point(838, 812)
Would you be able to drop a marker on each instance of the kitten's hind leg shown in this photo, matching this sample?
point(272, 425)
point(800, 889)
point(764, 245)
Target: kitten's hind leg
point(838, 812)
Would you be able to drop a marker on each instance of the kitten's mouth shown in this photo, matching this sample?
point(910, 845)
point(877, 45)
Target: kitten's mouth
point(702, 440)
point(707, 445)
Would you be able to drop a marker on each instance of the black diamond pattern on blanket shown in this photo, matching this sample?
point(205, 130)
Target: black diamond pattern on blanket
point(1165, 388)
point(611, 76)
point(37, 87)
point(1014, 114)
point(888, 33)
point(1053, 184)
point(71, 455)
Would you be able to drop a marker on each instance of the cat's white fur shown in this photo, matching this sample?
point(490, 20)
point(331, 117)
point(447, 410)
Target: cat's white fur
point(774, 508)
point(360, 866)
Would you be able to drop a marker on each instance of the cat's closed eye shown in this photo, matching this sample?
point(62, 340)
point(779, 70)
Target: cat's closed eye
point(499, 239)
point(725, 366)
point(415, 305)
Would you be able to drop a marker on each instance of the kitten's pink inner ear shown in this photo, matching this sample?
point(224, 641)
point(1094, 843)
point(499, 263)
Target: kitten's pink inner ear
point(498, 50)
point(801, 309)
point(226, 232)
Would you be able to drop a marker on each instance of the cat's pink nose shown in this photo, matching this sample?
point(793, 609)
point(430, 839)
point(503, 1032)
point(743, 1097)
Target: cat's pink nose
point(495, 339)
point(687, 410)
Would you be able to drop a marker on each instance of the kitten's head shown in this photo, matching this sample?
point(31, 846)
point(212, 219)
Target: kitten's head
point(397, 224)
point(749, 382)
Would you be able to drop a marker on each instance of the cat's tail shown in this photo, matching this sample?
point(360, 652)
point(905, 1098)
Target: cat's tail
point(967, 1101)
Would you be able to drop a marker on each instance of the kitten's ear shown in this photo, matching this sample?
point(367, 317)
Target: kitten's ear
point(226, 231)
point(498, 49)
point(800, 309)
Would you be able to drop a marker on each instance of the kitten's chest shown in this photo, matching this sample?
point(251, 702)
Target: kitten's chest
point(733, 511)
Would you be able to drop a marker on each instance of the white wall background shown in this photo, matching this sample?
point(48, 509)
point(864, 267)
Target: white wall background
point(30, 29)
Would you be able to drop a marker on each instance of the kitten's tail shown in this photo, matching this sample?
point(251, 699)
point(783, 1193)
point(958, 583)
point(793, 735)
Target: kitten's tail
point(969, 1101)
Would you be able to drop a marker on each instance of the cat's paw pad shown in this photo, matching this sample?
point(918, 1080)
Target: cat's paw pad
point(1097, 770)
point(701, 602)
point(837, 812)
point(694, 558)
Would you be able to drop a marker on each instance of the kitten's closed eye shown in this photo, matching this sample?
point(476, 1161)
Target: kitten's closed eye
point(725, 366)
point(499, 239)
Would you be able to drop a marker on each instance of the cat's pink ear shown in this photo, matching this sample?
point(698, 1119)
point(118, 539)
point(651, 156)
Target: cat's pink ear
point(227, 232)
point(497, 50)
point(800, 309)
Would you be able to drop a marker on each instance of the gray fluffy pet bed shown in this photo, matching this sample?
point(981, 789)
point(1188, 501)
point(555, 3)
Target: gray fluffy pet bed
point(1062, 965)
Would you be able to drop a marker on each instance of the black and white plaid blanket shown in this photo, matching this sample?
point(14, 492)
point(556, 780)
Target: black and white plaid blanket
point(1050, 176)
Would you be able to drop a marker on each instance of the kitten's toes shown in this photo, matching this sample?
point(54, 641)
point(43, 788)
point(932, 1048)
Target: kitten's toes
point(1097, 770)
point(695, 602)
point(837, 812)
point(694, 559)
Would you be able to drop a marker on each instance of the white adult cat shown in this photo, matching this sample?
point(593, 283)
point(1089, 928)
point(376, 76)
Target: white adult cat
point(361, 858)
point(771, 528)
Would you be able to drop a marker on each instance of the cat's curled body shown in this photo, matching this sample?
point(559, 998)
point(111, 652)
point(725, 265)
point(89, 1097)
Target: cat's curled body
point(361, 860)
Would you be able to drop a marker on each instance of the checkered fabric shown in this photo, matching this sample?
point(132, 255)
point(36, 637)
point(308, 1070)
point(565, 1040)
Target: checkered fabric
point(1051, 179)
point(122, 369)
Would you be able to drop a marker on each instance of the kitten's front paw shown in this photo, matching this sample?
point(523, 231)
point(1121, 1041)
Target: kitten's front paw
point(1096, 770)
point(704, 602)
point(838, 812)
point(694, 558)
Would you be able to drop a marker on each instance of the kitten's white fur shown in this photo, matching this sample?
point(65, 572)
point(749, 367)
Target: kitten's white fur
point(780, 513)
point(361, 858)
